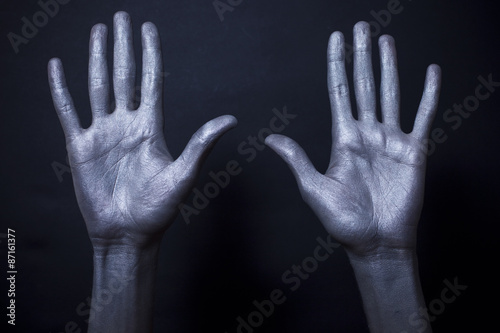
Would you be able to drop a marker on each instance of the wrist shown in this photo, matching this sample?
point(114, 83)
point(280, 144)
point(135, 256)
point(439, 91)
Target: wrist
point(390, 288)
point(383, 256)
point(123, 288)
point(111, 248)
point(385, 266)
point(126, 260)
point(117, 241)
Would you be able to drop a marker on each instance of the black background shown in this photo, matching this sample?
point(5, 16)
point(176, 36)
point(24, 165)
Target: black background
point(263, 55)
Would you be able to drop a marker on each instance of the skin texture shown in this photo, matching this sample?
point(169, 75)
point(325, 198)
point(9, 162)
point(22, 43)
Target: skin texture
point(371, 196)
point(127, 184)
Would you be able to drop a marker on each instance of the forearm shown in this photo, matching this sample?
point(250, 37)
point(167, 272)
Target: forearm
point(390, 289)
point(123, 287)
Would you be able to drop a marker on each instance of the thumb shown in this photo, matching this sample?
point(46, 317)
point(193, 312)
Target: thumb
point(296, 158)
point(203, 140)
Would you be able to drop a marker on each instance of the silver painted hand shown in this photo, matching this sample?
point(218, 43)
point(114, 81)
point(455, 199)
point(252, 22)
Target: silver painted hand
point(370, 197)
point(127, 184)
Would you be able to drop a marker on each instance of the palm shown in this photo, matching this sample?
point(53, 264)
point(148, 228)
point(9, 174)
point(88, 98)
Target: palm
point(371, 195)
point(118, 169)
point(372, 189)
point(127, 184)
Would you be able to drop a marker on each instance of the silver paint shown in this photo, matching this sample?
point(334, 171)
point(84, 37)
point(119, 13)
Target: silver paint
point(371, 196)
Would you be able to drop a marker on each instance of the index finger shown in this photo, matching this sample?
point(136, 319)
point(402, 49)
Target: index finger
point(338, 86)
point(151, 87)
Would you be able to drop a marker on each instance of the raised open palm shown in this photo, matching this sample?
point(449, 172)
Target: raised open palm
point(127, 184)
point(371, 196)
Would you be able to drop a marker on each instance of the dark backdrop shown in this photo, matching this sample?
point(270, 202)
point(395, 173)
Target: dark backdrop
point(263, 55)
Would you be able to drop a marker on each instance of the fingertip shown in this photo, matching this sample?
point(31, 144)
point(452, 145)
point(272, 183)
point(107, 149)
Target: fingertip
point(226, 122)
point(231, 120)
point(215, 128)
point(361, 27)
point(386, 40)
point(434, 70)
point(54, 63)
point(205, 138)
point(362, 37)
point(54, 69)
point(293, 155)
point(336, 47)
point(336, 39)
point(433, 76)
point(121, 16)
point(98, 36)
point(283, 145)
point(387, 49)
point(121, 23)
point(435, 67)
point(272, 139)
point(149, 28)
point(99, 28)
point(150, 36)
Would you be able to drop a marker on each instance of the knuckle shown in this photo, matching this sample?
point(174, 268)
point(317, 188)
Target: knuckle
point(365, 83)
point(123, 72)
point(66, 108)
point(98, 82)
point(340, 90)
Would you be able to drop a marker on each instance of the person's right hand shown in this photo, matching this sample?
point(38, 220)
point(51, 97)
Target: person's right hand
point(127, 184)
point(371, 196)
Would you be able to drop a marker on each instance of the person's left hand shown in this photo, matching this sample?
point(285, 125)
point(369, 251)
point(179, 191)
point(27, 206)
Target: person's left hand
point(371, 196)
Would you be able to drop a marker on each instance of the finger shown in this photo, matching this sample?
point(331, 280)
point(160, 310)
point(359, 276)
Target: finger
point(98, 71)
point(389, 88)
point(296, 158)
point(203, 140)
point(151, 87)
point(63, 102)
point(364, 83)
point(338, 86)
point(123, 62)
point(428, 105)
